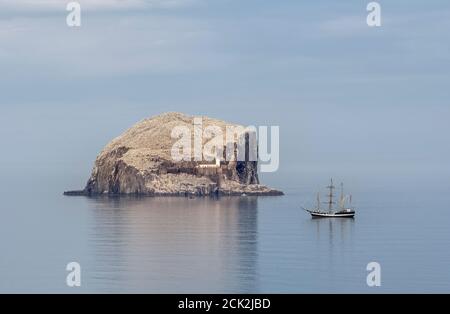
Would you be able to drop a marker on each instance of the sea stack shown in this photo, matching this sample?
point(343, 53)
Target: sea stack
point(140, 162)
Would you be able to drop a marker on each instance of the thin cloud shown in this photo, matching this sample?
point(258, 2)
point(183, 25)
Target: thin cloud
point(100, 49)
point(52, 5)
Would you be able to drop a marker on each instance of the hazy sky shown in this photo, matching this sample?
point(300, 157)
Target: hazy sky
point(349, 99)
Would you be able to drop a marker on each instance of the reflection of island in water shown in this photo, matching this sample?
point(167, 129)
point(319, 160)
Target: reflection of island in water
point(166, 244)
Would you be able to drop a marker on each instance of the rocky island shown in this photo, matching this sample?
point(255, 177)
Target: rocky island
point(140, 162)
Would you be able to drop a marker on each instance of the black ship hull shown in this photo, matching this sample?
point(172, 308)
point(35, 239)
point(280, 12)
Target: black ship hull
point(345, 214)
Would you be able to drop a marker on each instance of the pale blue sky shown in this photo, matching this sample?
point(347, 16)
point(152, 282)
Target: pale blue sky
point(350, 100)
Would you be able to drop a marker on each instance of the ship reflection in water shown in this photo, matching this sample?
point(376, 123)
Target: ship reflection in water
point(334, 229)
point(174, 244)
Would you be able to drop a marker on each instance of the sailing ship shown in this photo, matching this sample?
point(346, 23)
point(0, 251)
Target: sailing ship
point(343, 211)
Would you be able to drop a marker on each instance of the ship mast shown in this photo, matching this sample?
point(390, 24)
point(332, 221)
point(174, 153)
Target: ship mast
point(330, 202)
point(318, 201)
point(342, 196)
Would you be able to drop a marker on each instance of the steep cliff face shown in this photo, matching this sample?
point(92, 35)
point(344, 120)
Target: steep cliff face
point(140, 162)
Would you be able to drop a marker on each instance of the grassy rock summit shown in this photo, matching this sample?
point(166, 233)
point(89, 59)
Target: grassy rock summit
point(140, 162)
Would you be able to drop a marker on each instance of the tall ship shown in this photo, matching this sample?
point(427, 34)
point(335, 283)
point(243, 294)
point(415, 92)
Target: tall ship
point(341, 211)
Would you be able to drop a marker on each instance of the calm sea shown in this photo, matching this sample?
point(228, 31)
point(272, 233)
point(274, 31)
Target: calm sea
point(240, 244)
